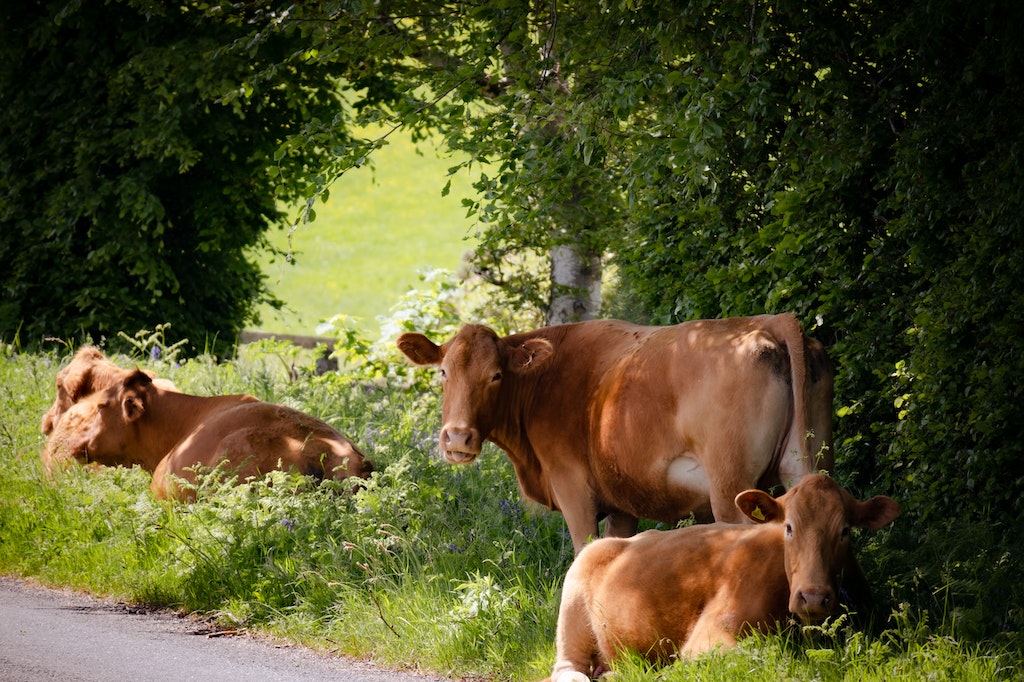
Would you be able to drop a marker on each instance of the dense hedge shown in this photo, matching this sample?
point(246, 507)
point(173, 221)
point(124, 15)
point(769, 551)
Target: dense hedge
point(866, 173)
point(139, 168)
point(864, 168)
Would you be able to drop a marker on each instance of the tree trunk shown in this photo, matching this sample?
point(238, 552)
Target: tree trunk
point(575, 284)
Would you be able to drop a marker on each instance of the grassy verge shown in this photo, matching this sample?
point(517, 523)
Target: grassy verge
point(430, 566)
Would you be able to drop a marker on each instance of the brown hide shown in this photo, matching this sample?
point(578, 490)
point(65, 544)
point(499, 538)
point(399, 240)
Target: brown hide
point(89, 371)
point(683, 592)
point(139, 423)
point(610, 418)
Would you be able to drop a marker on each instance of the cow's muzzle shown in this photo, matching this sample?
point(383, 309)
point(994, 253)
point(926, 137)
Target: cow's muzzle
point(812, 605)
point(460, 445)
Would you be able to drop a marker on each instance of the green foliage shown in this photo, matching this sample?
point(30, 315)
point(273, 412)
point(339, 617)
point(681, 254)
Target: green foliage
point(439, 306)
point(136, 182)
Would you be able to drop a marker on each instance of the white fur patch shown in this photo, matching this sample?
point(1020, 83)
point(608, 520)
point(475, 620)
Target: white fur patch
point(685, 472)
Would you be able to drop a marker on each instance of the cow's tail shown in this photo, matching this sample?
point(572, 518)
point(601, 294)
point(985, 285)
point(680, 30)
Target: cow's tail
point(808, 446)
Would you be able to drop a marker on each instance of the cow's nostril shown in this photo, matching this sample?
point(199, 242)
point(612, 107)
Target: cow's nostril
point(815, 601)
point(453, 437)
point(461, 439)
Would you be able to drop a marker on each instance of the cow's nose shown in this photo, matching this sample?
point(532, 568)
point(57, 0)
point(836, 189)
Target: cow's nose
point(813, 605)
point(461, 440)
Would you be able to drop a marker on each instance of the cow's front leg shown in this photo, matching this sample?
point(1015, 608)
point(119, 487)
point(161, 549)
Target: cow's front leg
point(580, 511)
point(723, 500)
point(620, 525)
point(709, 631)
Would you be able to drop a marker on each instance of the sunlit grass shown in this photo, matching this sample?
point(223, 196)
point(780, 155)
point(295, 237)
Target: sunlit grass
point(380, 227)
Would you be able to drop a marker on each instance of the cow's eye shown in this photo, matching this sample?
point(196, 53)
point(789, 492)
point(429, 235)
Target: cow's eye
point(846, 533)
point(496, 377)
point(444, 375)
point(789, 530)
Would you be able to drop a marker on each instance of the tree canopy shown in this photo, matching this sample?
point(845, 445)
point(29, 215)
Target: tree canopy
point(140, 165)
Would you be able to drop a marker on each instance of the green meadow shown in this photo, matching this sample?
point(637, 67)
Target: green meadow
point(381, 226)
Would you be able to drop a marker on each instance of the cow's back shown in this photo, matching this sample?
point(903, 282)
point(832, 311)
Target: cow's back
point(256, 437)
point(658, 585)
point(663, 593)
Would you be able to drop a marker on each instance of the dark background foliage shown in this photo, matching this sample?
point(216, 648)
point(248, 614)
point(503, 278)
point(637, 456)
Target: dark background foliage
point(863, 170)
point(140, 167)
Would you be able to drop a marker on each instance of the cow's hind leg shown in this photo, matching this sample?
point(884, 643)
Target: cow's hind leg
point(579, 510)
point(723, 500)
point(577, 655)
point(620, 525)
point(726, 483)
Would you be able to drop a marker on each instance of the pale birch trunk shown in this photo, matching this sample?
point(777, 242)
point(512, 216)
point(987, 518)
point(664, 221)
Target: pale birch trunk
point(575, 285)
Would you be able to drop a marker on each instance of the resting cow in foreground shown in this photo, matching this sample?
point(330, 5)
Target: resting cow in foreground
point(607, 418)
point(136, 422)
point(89, 371)
point(681, 592)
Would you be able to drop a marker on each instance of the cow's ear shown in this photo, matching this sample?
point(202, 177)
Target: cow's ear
point(137, 379)
point(419, 349)
point(876, 512)
point(759, 506)
point(133, 407)
point(531, 354)
point(133, 396)
point(76, 384)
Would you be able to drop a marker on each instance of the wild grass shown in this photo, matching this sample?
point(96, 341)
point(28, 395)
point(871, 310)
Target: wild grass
point(430, 566)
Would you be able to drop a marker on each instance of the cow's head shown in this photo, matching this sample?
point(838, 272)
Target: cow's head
point(98, 429)
point(817, 515)
point(88, 372)
point(474, 365)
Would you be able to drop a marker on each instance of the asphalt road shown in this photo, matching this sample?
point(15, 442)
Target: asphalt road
point(62, 635)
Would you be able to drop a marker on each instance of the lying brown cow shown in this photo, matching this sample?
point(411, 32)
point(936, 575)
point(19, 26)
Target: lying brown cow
point(610, 418)
point(136, 422)
point(682, 592)
point(89, 371)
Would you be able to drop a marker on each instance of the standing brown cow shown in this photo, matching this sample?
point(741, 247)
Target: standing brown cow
point(611, 418)
point(686, 591)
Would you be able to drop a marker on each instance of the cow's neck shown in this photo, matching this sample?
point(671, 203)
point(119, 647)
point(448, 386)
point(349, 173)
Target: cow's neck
point(170, 417)
point(511, 435)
